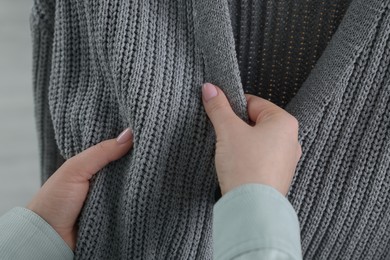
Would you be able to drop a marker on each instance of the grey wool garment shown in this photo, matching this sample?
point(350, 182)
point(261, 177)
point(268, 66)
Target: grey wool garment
point(103, 65)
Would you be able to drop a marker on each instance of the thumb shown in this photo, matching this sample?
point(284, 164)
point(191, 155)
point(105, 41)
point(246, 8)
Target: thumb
point(217, 107)
point(260, 109)
point(87, 163)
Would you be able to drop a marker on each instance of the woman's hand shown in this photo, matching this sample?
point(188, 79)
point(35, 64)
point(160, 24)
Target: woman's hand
point(61, 198)
point(266, 152)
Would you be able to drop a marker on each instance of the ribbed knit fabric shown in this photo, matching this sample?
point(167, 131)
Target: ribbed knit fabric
point(101, 66)
point(278, 42)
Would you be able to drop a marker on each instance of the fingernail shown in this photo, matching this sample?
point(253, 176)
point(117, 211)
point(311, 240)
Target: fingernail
point(125, 136)
point(209, 91)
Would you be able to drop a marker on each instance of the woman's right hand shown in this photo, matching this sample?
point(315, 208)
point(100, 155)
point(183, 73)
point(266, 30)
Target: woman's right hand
point(266, 152)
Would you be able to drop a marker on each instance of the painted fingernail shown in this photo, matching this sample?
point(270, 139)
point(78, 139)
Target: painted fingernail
point(209, 91)
point(125, 136)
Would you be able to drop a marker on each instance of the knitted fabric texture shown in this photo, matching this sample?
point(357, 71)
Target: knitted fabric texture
point(101, 66)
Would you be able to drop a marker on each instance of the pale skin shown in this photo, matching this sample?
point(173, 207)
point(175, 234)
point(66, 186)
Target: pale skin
point(265, 152)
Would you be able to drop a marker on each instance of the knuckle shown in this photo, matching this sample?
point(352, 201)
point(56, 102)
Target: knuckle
point(216, 107)
point(102, 149)
point(230, 122)
point(299, 150)
point(292, 124)
point(69, 163)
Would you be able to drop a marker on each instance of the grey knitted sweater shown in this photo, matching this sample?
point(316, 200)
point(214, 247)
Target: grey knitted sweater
point(103, 65)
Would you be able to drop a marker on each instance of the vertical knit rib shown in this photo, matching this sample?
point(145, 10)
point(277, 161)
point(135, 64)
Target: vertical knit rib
point(101, 66)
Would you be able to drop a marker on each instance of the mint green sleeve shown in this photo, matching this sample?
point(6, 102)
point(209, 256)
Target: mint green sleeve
point(255, 221)
point(25, 235)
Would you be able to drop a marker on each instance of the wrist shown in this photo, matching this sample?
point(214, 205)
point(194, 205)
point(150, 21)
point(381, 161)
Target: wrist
point(227, 188)
point(69, 236)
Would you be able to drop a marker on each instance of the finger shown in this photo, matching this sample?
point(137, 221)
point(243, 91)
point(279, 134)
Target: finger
point(217, 107)
point(299, 153)
point(259, 108)
point(93, 159)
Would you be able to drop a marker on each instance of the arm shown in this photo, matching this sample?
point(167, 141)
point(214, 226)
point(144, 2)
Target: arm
point(255, 164)
point(255, 221)
point(25, 235)
point(46, 228)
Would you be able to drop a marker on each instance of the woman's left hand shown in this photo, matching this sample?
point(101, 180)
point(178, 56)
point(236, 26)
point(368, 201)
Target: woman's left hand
point(60, 199)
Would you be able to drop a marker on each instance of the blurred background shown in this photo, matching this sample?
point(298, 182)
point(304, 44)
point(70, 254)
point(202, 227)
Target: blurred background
point(19, 168)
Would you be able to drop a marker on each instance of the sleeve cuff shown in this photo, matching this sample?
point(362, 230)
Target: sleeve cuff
point(255, 217)
point(25, 235)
